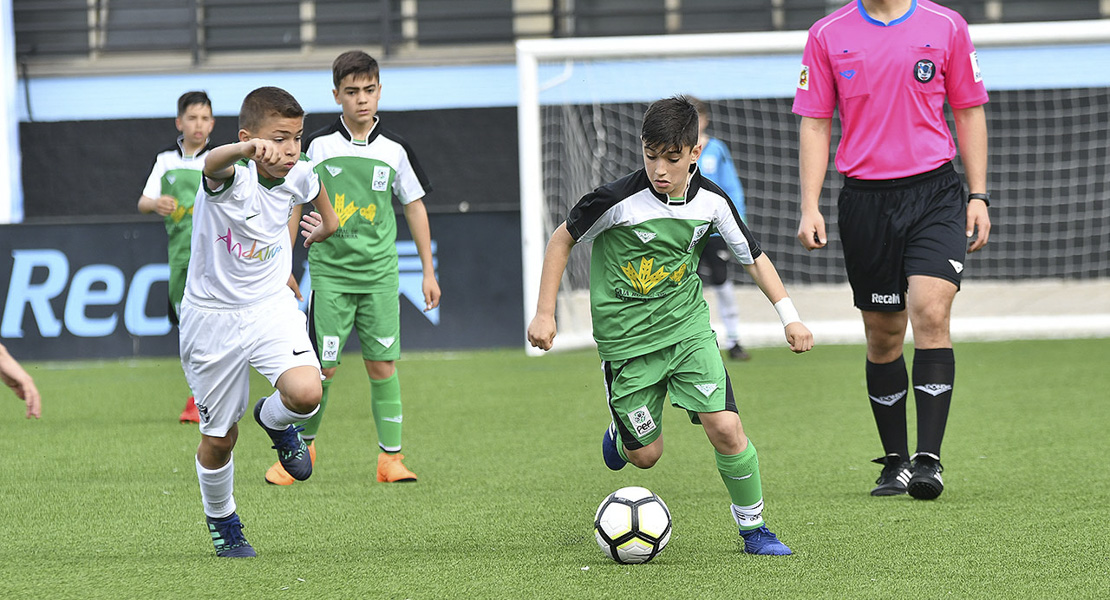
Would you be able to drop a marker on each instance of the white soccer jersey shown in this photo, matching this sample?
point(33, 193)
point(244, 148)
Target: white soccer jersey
point(240, 241)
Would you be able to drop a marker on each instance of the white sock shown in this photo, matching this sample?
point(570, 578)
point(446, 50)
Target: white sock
point(748, 517)
point(216, 487)
point(729, 311)
point(276, 416)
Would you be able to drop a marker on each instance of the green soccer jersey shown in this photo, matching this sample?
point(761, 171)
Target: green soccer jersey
point(175, 174)
point(644, 290)
point(361, 177)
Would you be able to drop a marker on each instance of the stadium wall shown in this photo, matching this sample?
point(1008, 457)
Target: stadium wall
point(99, 289)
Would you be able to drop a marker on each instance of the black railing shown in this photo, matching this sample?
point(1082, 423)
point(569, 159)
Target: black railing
point(51, 29)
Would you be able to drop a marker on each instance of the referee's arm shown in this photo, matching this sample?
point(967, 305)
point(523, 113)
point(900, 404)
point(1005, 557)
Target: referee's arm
point(814, 138)
point(971, 134)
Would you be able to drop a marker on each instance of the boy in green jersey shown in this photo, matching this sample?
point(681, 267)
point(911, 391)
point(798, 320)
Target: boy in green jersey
point(650, 321)
point(170, 191)
point(355, 273)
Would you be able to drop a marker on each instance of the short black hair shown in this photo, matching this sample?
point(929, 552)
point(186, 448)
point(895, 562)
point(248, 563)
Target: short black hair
point(267, 102)
point(353, 62)
point(670, 124)
point(190, 98)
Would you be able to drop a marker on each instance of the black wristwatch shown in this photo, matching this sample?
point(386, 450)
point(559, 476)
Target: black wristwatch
point(986, 198)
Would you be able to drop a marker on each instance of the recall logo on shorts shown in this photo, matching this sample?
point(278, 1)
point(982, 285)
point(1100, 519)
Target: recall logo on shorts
point(886, 298)
point(381, 179)
point(331, 348)
point(642, 423)
point(924, 70)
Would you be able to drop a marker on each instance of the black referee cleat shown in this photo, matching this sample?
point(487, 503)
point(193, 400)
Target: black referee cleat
point(896, 474)
point(925, 482)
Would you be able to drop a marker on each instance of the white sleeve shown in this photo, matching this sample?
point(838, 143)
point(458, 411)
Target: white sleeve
point(231, 190)
point(153, 187)
point(310, 184)
point(406, 185)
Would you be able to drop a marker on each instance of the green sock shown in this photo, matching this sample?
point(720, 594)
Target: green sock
point(740, 472)
point(312, 425)
point(385, 403)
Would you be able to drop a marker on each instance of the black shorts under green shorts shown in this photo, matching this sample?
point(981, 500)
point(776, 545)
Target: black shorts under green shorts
point(376, 318)
point(691, 372)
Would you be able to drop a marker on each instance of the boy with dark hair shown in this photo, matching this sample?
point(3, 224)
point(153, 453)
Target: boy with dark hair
point(238, 311)
point(650, 321)
point(355, 273)
point(170, 190)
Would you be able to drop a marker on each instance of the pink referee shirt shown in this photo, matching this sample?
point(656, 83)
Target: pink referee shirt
point(889, 82)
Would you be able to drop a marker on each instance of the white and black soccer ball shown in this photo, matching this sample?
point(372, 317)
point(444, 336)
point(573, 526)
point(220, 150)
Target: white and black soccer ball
point(632, 525)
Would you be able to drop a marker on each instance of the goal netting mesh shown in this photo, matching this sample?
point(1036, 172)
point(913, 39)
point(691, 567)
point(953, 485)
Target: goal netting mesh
point(1049, 169)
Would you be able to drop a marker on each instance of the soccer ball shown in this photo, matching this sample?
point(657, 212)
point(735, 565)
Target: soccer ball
point(632, 525)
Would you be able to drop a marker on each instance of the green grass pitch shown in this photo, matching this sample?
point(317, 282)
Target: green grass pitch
point(99, 499)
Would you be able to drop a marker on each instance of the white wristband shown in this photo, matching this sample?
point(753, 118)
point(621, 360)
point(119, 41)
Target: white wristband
point(787, 313)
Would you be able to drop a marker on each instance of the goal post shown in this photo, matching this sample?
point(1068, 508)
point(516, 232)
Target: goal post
point(581, 99)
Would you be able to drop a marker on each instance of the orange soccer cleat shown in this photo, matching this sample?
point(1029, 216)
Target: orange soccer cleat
point(190, 414)
point(391, 469)
point(277, 475)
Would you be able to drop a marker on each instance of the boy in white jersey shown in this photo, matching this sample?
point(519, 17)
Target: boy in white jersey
point(170, 190)
point(239, 311)
point(650, 320)
point(355, 273)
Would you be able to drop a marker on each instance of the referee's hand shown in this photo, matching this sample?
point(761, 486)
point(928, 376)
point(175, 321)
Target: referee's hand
point(978, 225)
point(811, 230)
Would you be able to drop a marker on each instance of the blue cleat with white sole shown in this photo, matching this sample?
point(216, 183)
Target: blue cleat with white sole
point(292, 451)
point(761, 541)
point(227, 537)
point(609, 450)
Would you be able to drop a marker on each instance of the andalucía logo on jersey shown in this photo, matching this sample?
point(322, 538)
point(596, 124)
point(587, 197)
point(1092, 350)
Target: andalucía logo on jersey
point(252, 253)
point(924, 70)
point(643, 279)
point(343, 210)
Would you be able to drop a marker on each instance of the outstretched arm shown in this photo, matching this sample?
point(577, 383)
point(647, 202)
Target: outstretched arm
point(21, 383)
point(416, 215)
point(764, 274)
point(541, 331)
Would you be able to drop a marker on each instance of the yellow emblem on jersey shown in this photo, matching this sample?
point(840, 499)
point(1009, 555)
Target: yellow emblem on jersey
point(677, 275)
point(180, 212)
point(369, 212)
point(643, 279)
point(343, 210)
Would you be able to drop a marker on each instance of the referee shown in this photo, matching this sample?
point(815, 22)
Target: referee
point(888, 66)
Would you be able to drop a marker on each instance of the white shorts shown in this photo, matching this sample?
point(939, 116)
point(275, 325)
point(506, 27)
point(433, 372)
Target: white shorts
point(219, 345)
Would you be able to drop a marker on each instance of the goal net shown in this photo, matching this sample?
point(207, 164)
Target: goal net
point(1045, 272)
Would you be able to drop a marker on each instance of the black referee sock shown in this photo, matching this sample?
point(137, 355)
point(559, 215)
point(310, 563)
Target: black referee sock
point(934, 372)
point(886, 387)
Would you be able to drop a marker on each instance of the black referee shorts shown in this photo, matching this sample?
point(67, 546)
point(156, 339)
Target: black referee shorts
point(892, 229)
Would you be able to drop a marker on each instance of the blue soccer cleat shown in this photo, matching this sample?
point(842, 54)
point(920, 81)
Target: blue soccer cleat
point(762, 541)
point(609, 450)
point(292, 451)
point(227, 537)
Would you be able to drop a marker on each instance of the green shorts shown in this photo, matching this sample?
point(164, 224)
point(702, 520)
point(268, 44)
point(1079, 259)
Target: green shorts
point(691, 372)
point(376, 318)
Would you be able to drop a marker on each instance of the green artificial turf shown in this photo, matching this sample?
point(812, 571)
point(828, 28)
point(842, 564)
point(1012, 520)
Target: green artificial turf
point(99, 499)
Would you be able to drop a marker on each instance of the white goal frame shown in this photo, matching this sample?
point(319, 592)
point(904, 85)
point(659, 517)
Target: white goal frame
point(529, 53)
